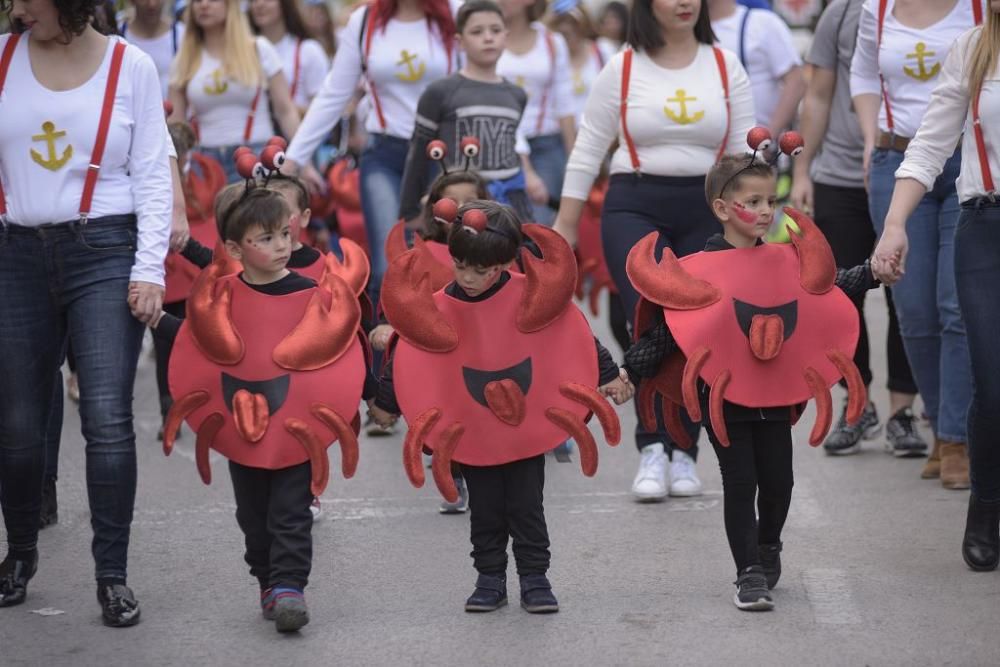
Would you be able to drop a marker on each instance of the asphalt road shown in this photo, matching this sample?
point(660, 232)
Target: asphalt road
point(872, 570)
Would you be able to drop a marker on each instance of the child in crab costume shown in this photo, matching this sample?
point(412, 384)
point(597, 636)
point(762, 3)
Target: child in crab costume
point(268, 369)
point(743, 334)
point(493, 371)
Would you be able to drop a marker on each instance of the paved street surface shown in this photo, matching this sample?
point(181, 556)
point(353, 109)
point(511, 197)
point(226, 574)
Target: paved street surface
point(872, 570)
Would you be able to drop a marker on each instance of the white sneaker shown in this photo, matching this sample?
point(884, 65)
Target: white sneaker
point(316, 508)
point(650, 483)
point(684, 481)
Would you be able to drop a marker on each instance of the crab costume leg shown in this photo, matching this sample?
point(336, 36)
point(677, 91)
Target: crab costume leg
point(203, 443)
point(647, 394)
point(824, 406)
point(317, 453)
point(588, 397)
point(675, 427)
point(179, 411)
point(857, 394)
point(689, 385)
point(345, 436)
point(441, 461)
point(716, 411)
point(575, 427)
point(416, 435)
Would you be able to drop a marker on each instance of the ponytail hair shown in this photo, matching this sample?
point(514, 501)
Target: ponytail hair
point(984, 54)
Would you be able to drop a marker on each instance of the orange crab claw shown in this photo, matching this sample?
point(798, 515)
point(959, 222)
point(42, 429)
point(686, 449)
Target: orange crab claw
point(576, 429)
point(408, 302)
point(317, 453)
point(817, 268)
point(179, 411)
point(689, 383)
point(346, 436)
point(441, 461)
point(395, 242)
point(606, 415)
point(354, 269)
point(206, 436)
point(251, 415)
point(506, 401)
point(416, 435)
point(716, 412)
point(675, 427)
point(824, 406)
point(857, 394)
point(210, 317)
point(666, 283)
point(550, 281)
point(326, 330)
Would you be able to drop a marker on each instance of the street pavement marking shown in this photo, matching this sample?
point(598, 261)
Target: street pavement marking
point(830, 597)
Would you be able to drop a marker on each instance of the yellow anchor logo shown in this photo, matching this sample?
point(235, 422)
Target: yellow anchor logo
point(218, 85)
point(683, 118)
point(579, 88)
point(922, 73)
point(520, 82)
point(412, 73)
point(49, 136)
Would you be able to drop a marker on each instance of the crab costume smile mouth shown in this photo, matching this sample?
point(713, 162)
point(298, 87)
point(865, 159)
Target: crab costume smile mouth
point(766, 328)
point(501, 391)
point(253, 402)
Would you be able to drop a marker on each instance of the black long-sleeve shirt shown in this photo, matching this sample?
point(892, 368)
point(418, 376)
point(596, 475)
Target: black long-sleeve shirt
point(385, 396)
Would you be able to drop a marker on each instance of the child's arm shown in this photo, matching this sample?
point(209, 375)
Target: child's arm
point(858, 280)
point(197, 254)
point(414, 186)
point(644, 358)
point(384, 409)
point(612, 381)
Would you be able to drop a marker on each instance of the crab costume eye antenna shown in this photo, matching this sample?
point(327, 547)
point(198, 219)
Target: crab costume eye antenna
point(791, 143)
point(168, 107)
point(437, 150)
point(470, 149)
point(246, 164)
point(759, 139)
point(474, 220)
point(445, 211)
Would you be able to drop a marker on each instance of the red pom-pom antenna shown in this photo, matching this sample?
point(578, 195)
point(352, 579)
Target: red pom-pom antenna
point(437, 150)
point(470, 147)
point(273, 157)
point(279, 142)
point(246, 163)
point(474, 220)
point(242, 150)
point(168, 107)
point(446, 210)
point(759, 139)
point(791, 143)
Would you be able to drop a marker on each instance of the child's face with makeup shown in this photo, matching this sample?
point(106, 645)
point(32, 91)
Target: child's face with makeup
point(474, 280)
point(747, 212)
point(263, 253)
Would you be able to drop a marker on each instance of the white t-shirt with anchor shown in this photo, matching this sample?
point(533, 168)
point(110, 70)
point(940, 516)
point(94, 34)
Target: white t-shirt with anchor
point(222, 105)
point(47, 138)
point(909, 60)
point(546, 77)
point(676, 117)
point(404, 58)
point(313, 66)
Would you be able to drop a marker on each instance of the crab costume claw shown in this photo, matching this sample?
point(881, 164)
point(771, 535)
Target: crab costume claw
point(354, 269)
point(441, 461)
point(416, 435)
point(317, 453)
point(409, 302)
point(551, 280)
point(817, 268)
point(667, 283)
point(179, 411)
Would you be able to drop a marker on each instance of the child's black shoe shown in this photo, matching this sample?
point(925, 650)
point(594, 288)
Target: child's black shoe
point(536, 595)
point(490, 593)
point(751, 590)
point(770, 560)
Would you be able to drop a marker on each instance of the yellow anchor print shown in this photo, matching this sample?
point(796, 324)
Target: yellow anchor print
point(682, 118)
point(579, 88)
point(922, 73)
point(218, 85)
point(520, 82)
point(49, 136)
point(412, 73)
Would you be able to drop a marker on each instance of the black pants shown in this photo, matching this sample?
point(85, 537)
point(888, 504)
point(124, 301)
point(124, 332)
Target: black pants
point(272, 509)
point(506, 502)
point(162, 348)
point(757, 465)
point(842, 215)
point(675, 208)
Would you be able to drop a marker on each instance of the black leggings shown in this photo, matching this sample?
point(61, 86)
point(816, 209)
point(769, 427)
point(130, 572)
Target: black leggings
point(842, 215)
point(162, 348)
point(757, 463)
point(675, 208)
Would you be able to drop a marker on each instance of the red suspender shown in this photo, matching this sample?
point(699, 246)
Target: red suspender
point(720, 61)
point(550, 46)
point(248, 128)
point(633, 154)
point(295, 69)
point(597, 54)
point(984, 159)
point(882, 6)
point(102, 130)
point(369, 31)
point(5, 58)
point(977, 12)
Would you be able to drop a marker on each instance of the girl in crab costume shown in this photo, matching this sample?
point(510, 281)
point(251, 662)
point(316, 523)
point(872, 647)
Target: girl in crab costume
point(290, 381)
point(744, 333)
point(496, 408)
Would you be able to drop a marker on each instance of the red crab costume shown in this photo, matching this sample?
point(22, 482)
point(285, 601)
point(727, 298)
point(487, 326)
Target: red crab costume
point(594, 273)
point(762, 327)
point(490, 382)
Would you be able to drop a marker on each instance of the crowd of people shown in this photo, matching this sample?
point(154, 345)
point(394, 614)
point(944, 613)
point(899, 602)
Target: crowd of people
point(399, 185)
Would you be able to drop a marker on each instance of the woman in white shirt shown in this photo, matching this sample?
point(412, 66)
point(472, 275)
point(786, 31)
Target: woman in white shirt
point(305, 63)
point(85, 215)
point(587, 56)
point(968, 89)
point(897, 63)
point(537, 60)
point(687, 103)
point(225, 79)
point(150, 29)
point(396, 47)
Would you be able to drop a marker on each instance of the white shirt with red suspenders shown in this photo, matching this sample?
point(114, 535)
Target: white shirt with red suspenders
point(668, 122)
point(902, 64)
point(583, 77)
point(230, 113)
point(161, 49)
point(954, 113)
point(63, 158)
point(544, 73)
point(305, 64)
point(396, 65)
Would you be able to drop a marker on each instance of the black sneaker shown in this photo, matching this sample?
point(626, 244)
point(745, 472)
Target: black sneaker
point(845, 438)
point(901, 437)
point(770, 560)
point(50, 505)
point(14, 577)
point(751, 590)
point(490, 593)
point(536, 595)
point(119, 608)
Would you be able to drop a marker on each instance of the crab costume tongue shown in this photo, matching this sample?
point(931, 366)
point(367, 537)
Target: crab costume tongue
point(251, 415)
point(767, 333)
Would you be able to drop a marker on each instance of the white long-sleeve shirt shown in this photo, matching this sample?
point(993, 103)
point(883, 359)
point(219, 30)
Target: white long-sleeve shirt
point(546, 76)
point(47, 138)
point(676, 117)
point(313, 67)
point(404, 59)
point(909, 61)
point(948, 116)
point(583, 77)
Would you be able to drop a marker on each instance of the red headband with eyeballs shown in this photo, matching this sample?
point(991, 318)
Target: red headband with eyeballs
point(473, 220)
point(759, 139)
point(270, 161)
point(437, 150)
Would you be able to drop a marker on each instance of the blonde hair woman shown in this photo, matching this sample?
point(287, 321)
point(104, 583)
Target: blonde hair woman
point(225, 79)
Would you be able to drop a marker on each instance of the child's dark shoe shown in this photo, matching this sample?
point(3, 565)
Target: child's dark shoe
point(119, 608)
point(751, 590)
point(290, 611)
point(770, 560)
point(490, 593)
point(15, 573)
point(536, 595)
point(267, 600)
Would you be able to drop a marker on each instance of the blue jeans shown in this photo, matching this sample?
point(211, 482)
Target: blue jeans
point(382, 164)
point(977, 276)
point(548, 157)
point(224, 156)
point(930, 320)
point(70, 282)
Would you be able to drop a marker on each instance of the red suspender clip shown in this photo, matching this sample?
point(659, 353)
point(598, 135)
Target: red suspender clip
point(5, 58)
